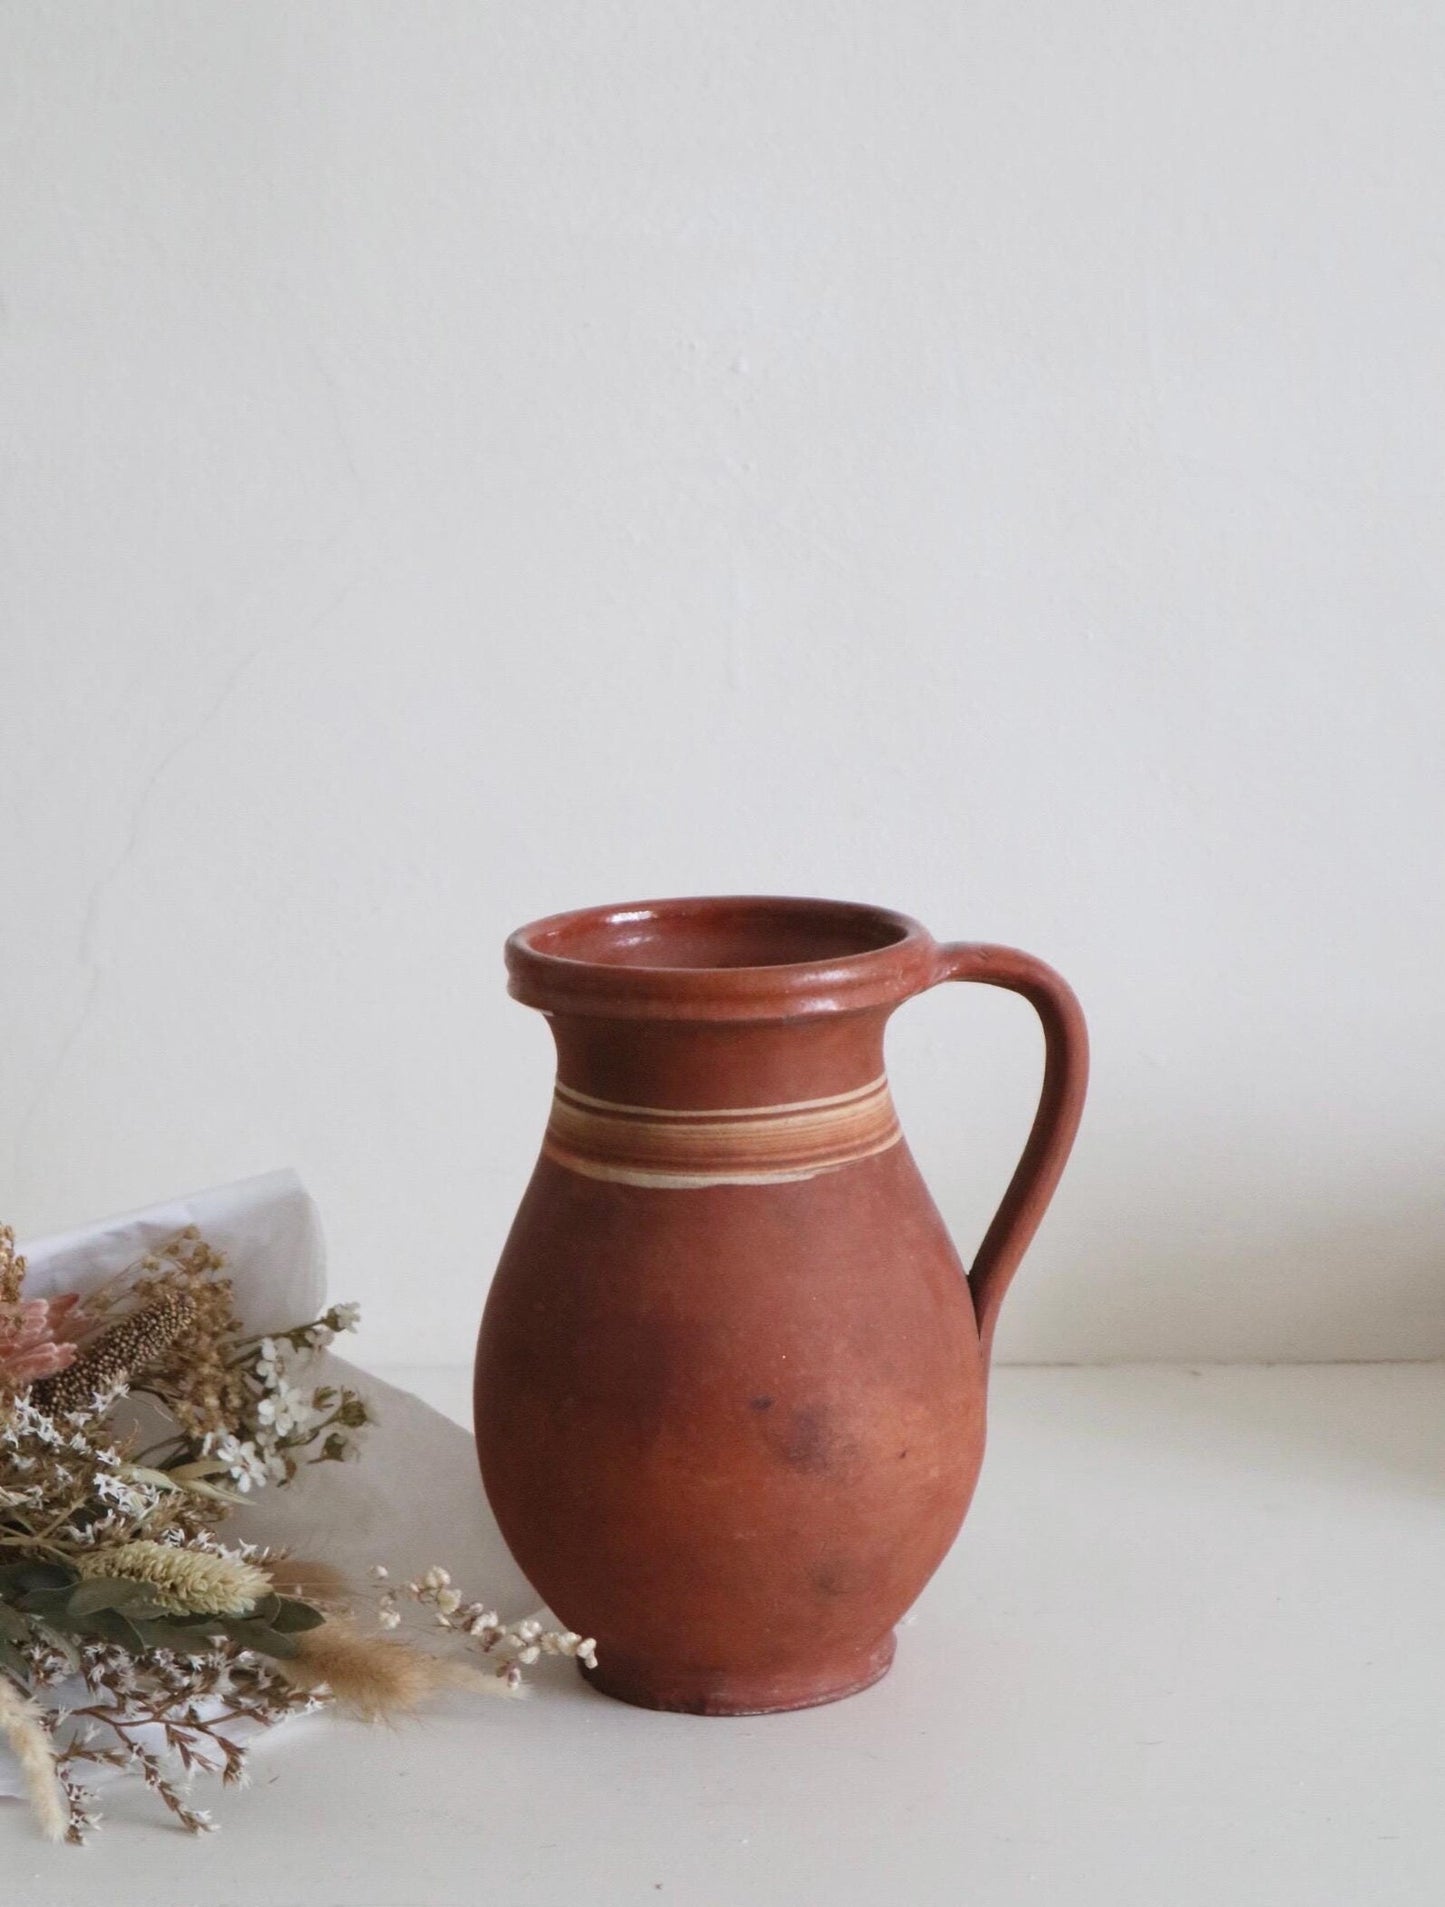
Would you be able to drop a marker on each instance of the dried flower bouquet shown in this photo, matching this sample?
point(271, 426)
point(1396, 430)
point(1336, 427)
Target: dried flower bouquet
point(131, 1637)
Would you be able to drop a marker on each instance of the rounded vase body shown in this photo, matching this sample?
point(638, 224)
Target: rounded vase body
point(731, 1377)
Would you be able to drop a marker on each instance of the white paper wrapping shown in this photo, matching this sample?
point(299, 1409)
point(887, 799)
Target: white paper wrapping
point(414, 1498)
point(267, 1227)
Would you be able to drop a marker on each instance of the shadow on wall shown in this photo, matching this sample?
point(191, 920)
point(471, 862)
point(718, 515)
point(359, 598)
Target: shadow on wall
point(1361, 1278)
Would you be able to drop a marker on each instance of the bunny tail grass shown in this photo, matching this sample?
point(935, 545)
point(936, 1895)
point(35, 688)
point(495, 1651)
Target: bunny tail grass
point(378, 1678)
point(313, 1582)
point(21, 1727)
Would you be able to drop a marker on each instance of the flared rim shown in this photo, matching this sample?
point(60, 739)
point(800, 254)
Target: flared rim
point(719, 957)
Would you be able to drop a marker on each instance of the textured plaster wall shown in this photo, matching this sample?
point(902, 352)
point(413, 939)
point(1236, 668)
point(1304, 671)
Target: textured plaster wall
point(465, 460)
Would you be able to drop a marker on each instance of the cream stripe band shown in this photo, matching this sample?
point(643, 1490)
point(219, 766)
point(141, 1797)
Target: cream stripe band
point(743, 1145)
point(874, 1086)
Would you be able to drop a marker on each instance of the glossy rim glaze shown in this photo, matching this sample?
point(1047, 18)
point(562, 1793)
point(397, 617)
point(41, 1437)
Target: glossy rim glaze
point(587, 961)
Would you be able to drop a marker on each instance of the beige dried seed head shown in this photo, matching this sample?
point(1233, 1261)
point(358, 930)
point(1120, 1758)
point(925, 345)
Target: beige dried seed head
point(185, 1582)
point(12, 1268)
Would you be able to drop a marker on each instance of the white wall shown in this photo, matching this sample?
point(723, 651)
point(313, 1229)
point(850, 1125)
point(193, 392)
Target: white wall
point(470, 460)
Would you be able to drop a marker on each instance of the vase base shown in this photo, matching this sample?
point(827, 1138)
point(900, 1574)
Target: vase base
point(697, 1692)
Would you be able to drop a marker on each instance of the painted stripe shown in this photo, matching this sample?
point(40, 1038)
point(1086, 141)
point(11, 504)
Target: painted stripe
point(873, 1086)
point(743, 1145)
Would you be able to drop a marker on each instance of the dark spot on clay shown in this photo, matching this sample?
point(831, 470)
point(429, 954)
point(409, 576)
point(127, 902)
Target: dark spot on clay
point(806, 1438)
point(807, 1443)
point(903, 1452)
point(831, 1578)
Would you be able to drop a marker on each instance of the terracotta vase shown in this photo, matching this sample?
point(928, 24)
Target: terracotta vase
point(730, 1383)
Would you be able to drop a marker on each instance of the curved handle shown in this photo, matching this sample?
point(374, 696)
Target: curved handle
point(1066, 1075)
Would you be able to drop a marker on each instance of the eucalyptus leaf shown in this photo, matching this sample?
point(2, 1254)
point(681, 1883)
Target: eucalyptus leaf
point(264, 1640)
point(147, 1611)
point(53, 1604)
point(110, 1592)
point(183, 1638)
point(18, 1579)
point(293, 1617)
point(13, 1625)
point(111, 1626)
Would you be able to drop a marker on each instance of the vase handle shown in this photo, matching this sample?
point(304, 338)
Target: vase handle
point(1066, 1075)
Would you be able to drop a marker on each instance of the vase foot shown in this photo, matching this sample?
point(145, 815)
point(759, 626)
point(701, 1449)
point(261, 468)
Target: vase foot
point(725, 1692)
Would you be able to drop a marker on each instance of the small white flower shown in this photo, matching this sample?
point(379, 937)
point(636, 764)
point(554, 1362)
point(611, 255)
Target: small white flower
point(243, 1462)
point(286, 1410)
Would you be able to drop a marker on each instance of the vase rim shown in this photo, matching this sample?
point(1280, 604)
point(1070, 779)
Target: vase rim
point(720, 957)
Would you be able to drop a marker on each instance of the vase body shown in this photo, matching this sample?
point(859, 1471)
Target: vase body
point(731, 1373)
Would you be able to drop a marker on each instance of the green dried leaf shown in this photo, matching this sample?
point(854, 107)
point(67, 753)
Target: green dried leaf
point(111, 1626)
point(263, 1639)
point(293, 1617)
point(112, 1592)
point(184, 1638)
point(19, 1579)
point(52, 1604)
point(14, 1627)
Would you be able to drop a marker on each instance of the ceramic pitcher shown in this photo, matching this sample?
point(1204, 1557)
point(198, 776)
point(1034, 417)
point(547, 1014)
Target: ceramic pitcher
point(731, 1375)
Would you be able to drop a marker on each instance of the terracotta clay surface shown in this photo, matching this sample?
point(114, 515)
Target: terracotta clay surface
point(731, 1376)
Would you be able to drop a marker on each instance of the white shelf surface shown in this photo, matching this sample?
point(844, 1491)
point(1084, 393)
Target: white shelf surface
point(1187, 1650)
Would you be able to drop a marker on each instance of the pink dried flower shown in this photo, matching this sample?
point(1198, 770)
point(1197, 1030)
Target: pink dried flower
point(37, 1339)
